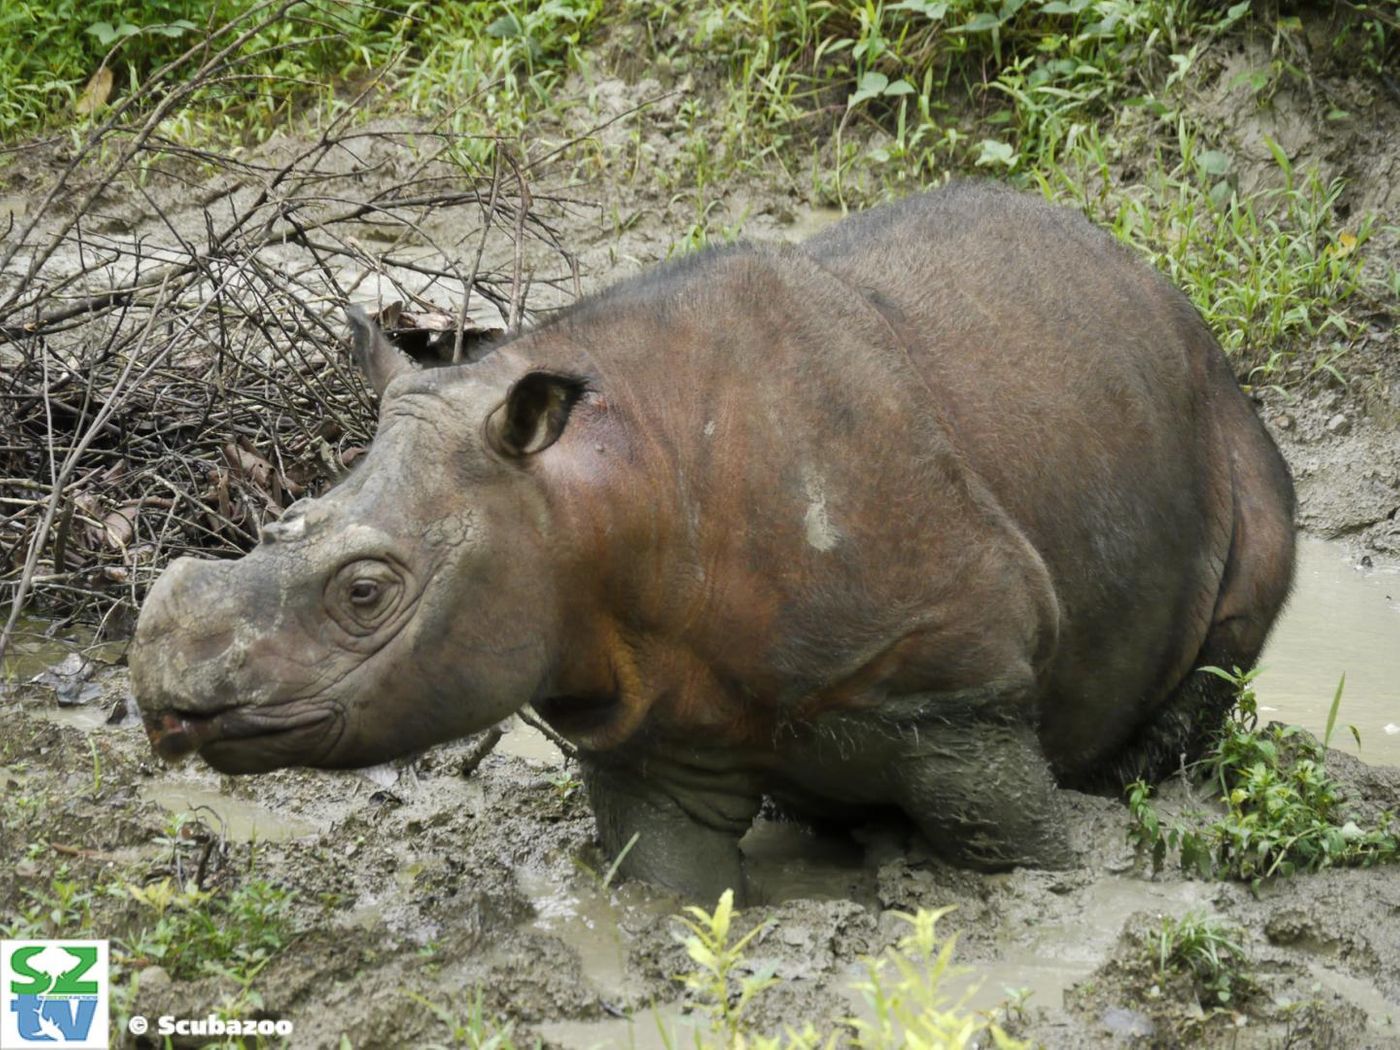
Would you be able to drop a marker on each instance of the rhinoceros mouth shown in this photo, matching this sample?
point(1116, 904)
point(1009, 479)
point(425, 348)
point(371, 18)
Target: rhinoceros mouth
point(241, 739)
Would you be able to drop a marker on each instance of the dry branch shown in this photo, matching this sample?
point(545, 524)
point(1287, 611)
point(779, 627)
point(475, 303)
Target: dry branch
point(171, 379)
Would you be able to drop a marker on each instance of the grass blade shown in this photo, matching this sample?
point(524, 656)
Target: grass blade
point(1332, 714)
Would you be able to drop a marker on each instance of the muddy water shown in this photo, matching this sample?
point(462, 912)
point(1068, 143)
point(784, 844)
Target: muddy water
point(525, 741)
point(68, 669)
point(1340, 619)
point(33, 649)
point(236, 819)
point(788, 861)
point(1051, 956)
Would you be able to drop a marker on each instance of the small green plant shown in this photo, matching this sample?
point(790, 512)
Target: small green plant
point(605, 880)
point(903, 988)
point(565, 784)
point(1014, 1005)
point(1366, 37)
point(196, 931)
point(63, 910)
point(718, 963)
point(475, 1030)
point(1283, 813)
point(1209, 952)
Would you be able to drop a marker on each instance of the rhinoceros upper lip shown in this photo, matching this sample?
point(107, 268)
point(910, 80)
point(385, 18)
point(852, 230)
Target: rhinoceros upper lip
point(176, 734)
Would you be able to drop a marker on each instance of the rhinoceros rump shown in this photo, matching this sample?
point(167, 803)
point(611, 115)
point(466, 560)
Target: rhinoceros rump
point(934, 511)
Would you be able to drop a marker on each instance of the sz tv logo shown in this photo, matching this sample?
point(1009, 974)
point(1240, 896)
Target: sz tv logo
point(53, 994)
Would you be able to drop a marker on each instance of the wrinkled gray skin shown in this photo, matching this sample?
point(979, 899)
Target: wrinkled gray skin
point(934, 512)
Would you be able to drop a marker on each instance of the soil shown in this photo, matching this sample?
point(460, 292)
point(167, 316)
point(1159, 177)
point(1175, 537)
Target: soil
point(419, 889)
point(415, 884)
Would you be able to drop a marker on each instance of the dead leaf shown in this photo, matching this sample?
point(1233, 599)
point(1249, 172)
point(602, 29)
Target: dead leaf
point(87, 503)
point(89, 513)
point(427, 333)
point(248, 464)
point(218, 491)
point(120, 525)
point(1346, 244)
point(96, 94)
point(261, 476)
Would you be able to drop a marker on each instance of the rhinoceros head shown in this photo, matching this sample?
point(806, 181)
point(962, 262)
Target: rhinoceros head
point(398, 610)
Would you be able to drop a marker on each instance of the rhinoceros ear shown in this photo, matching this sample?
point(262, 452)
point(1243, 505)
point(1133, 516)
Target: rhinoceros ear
point(378, 359)
point(534, 413)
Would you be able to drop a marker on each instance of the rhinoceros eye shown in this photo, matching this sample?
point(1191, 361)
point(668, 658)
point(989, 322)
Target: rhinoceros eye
point(364, 594)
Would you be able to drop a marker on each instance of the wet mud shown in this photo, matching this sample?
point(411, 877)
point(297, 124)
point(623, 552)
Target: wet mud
point(417, 885)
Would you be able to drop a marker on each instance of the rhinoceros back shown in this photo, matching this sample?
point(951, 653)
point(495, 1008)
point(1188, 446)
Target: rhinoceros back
point(1088, 395)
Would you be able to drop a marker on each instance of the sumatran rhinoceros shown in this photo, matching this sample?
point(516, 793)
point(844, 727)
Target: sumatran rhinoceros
point(936, 511)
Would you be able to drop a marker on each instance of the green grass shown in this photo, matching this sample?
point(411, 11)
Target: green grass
point(487, 67)
point(277, 53)
point(880, 99)
point(1209, 952)
point(1282, 813)
point(482, 66)
point(845, 101)
point(1276, 275)
point(190, 932)
point(193, 933)
point(473, 1029)
point(1371, 40)
point(943, 83)
point(62, 909)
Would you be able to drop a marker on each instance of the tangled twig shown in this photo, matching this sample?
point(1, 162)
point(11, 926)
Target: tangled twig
point(172, 374)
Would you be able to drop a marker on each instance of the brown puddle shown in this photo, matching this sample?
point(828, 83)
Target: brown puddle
point(31, 651)
point(1048, 958)
point(1340, 619)
point(527, 742)
point(236, 819)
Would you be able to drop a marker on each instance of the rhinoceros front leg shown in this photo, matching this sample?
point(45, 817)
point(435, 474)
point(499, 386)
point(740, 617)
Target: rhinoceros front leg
point(693, 849)
point(983, 794)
